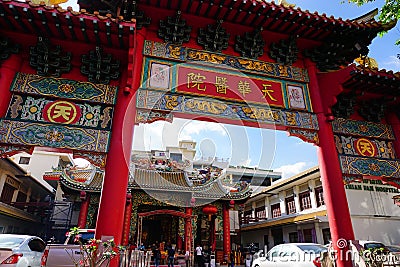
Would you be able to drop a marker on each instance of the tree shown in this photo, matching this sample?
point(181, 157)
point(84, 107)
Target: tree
point(389, 12)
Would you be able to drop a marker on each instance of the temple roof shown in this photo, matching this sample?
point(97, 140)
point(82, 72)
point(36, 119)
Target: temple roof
point(341, 40)
point(90, 180)
point(381, 82)
point(335, 42)
point(28, 18)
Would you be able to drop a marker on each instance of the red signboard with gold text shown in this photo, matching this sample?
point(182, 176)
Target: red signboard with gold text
point(229, 86)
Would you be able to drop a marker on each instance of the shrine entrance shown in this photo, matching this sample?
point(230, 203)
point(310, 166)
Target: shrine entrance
point(165, 235)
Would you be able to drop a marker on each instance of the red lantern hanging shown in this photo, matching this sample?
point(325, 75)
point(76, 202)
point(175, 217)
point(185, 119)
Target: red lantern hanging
point(232, 204)
point(210, 210)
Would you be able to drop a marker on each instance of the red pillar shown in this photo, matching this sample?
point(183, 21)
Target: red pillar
point(8, 69)
point(213, 235)
point(188, 229)
point(394, 121)
point(178, 242)
point(127, 220)
point(84, 212)
point(110, 218)
point(331, 174)
point(227, 231)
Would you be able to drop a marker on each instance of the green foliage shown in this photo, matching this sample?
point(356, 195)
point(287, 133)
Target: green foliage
point(94, 253)
point(390, 11)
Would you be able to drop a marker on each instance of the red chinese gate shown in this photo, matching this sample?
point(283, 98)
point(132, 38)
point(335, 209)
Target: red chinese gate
point(59, 85)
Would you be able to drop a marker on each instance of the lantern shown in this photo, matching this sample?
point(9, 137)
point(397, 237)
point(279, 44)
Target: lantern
point(210, 210)
point(192, 202)
point(232, 204)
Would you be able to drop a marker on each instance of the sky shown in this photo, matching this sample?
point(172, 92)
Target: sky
point(266, 149)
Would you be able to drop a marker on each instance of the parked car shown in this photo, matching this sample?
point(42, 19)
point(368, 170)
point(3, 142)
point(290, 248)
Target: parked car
point(394, 255)
point(291, 254)
point(21, 250)
point(370, 244)
point(59, 255)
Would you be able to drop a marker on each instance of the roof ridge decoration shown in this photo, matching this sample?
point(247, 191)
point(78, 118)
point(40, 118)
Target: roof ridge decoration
point(174, 29)
point(7, 47)
point(153, 180)
point(251, 44)
point(213, 37)
point(48, 60)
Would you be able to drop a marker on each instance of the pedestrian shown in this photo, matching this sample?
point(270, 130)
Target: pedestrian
point(157, 256)
point(199, 256)
point(171, 256)
point(187, 257)
point(232, 259)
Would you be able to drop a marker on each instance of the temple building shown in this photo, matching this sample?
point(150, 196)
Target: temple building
point(78, 82)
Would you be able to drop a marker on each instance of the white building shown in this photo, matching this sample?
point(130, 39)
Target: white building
point(40, 161)
point(293, 210)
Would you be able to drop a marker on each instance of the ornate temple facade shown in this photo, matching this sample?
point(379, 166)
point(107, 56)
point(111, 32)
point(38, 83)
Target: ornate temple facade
point(78, 82)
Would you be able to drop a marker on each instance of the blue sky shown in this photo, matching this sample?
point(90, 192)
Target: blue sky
point(263, 148)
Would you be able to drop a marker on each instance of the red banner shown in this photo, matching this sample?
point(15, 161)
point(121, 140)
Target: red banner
point(229, 86)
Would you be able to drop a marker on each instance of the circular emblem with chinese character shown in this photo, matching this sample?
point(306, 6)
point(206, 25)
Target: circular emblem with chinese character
point(61, 112)
point(364, 147)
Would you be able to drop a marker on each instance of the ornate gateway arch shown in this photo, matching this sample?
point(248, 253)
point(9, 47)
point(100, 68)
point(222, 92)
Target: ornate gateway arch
point(79, 81)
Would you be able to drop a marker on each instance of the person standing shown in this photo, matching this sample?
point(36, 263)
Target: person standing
point(199, 256)
point(232, 259)
point(156, 255)
point(187, 257)
point(171, 256)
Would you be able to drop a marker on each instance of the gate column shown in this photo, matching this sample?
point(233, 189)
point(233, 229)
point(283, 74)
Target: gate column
point(110, 220)
point(331, 173)
point(8, 69)
point(227, 231)
point(188, 230)
point(82, 219)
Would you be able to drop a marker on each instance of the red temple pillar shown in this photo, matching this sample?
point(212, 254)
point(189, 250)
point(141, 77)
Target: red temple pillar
point(82, 219)
point(213, 235)
point(394, 121)
point(227, 231)
point(127, 220)
point(178, 243)
point(8, 69)
point(331, 173)
point(188, 229)
point(110, 218)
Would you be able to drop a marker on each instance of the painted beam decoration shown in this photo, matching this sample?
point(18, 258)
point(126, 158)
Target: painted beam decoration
point(59, 113)
point(365, 149)
point(165, 102)
point(179, 80)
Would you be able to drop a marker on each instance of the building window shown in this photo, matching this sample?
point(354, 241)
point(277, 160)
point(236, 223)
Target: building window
point(308, 235)
point(7, 193)
point(305, 200)
point(319, 195)
point(24, 160)
point(290, 205)
point(175, 157)
point(326, 234)
point(293, 237)
point(276, 210)
point(260, 213)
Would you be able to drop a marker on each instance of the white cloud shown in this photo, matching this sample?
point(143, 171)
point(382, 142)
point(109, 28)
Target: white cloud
point(160, 134)
point(196, 127)
point(292, 169)
point(393, 63)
